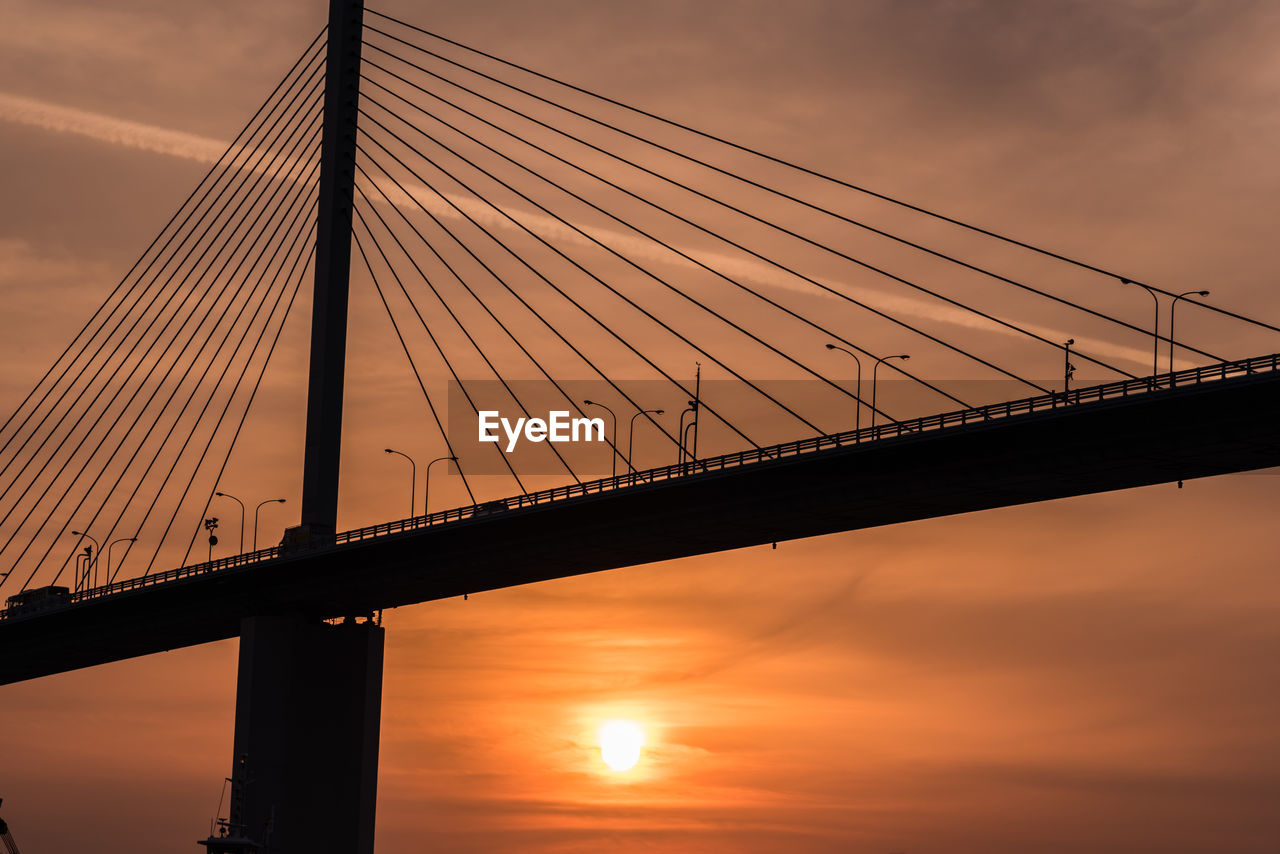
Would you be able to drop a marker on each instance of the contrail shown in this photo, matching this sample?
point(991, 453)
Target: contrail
point(203, 149)
point(145, 137)
point(411, 196)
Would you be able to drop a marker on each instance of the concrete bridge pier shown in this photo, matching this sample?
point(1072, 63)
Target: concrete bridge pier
point(308, 703)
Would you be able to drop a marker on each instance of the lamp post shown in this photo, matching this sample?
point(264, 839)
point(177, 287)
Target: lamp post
point(413, 478)
point(614, 459)
point(857, 411)
point(255, 518)
point(631, 434)
point(110, 546)
point(241, 503)
point(426, 490)
point(82, 569)
point(1155, 328)
point(874, 368)
point(92, 560)
point(682, 430)
point(1171, 308)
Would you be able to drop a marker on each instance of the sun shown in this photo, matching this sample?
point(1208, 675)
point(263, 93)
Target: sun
point(620, 743)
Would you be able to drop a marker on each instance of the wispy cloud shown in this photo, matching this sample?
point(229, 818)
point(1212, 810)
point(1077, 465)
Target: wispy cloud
point(412, 195)
point(130, 134)
point(160, 140)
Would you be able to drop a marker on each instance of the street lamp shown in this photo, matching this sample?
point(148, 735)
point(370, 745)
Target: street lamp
point(857, 412)
point(110, 546)
point(82, 569)
point(241, 503)
point(1155, 329)
point(97, 548)
point(874, 369)
point(683, 430)
point(615, 455)
point(1171, 308)
point(413, 478)
point(426, 490)
point(631, 434)
point(255, 518)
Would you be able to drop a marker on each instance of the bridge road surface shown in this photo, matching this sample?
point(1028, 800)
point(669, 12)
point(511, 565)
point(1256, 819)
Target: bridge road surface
point(1212, 428)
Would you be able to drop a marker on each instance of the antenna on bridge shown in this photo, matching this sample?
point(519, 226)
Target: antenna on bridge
point(333, 266)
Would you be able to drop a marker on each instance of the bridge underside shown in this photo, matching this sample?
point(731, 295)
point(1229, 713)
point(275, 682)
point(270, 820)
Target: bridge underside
point(1198, 431)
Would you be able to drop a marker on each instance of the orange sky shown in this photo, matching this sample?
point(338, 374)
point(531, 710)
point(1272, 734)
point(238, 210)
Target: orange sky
point(1089, 674)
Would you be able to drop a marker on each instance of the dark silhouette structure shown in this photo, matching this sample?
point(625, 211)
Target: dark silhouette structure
point(308, 694)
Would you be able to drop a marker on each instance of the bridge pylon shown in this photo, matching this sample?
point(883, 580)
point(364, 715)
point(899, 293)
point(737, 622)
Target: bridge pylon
point(308, 706)
point(332, 271)
point(308, 693)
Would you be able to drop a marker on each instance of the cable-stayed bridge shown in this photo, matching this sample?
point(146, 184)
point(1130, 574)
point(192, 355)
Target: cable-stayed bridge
point(510, 225)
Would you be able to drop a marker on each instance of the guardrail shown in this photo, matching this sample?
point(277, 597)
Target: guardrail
point(173, 574)
point(893, 429)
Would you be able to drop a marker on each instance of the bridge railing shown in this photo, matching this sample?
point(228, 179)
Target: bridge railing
point(149, 580)
point(892, 429)
point(242, 559)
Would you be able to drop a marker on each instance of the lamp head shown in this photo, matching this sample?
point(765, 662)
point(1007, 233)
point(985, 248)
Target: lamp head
point(831, 346)
point(1203, 293)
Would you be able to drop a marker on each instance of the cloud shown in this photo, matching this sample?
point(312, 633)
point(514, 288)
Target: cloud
point(21, 265)
point(412, 195)
point(203, 149)
point(108, 129)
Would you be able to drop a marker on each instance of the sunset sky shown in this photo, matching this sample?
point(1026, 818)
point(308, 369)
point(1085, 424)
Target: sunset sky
point(1094, 674)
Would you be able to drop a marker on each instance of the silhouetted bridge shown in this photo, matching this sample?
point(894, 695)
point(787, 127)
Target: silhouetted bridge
point(1196, 423)
point(173, 360)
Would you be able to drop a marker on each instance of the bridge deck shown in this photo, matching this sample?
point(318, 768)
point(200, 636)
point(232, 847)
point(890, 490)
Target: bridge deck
point(1197, 423)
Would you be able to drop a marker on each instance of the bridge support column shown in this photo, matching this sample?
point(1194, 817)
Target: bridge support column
point(333, 267)
point(308, 702)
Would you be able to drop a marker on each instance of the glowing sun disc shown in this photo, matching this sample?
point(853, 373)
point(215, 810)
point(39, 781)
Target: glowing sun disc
point(620, 743)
